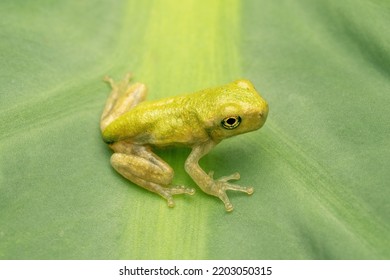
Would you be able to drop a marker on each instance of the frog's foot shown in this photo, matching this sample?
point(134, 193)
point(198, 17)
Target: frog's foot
point(122, 84)
point(222, 185)
point(168, 193)
point(123, 97)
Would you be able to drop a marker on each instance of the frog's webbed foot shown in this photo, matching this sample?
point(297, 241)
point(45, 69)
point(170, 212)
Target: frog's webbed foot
point(169, 192)
point(221, 185)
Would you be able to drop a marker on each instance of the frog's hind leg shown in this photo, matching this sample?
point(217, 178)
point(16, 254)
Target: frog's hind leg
point(123, 97)
point(144, 168)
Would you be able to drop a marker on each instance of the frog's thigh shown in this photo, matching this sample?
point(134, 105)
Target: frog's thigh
point(142, 171)
point(144, 168)
point(151, 173)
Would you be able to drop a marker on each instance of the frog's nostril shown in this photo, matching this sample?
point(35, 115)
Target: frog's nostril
point(263, 114)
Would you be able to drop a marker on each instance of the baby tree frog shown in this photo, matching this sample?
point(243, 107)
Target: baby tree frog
point(132, 126)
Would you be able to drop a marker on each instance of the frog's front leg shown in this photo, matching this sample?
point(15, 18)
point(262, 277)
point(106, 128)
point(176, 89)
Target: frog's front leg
point(206, 182)
point(144, 168)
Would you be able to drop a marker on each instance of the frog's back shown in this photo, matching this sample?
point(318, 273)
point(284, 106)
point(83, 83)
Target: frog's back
point(164, 122)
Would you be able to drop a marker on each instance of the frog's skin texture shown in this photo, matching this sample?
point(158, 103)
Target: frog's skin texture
point(200, 121)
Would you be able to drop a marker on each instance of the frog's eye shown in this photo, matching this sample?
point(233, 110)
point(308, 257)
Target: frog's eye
point(231, 122)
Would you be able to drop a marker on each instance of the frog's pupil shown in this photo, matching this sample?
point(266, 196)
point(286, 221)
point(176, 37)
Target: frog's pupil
point(231, 121)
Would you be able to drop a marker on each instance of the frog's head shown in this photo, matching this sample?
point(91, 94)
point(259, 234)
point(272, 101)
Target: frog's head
point(236, 108)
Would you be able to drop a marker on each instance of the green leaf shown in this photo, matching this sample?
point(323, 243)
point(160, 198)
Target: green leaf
point(320, 166)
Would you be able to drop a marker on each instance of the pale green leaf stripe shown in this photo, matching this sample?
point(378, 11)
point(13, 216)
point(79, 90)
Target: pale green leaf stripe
point(198, 42)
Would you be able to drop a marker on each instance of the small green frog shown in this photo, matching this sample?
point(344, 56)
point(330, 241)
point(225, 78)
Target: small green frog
point(200, 121)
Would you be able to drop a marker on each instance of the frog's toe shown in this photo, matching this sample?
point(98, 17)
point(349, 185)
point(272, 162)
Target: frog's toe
point(234, 176)
point(234, 187)
point(169, 192)
point(191, 191)
point(225, 199)
point(181, 190)
point(167, 196)
point(229, 207)
point(170, 202)
point(221, 186)
point(109, 80)
point(250, 190)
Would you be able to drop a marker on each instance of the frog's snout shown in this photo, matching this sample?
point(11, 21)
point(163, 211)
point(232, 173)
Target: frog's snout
point(264, 113)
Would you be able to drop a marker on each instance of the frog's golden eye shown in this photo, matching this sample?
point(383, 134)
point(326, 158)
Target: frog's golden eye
point(231, 122)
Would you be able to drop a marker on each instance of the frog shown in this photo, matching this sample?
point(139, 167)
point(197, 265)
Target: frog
point(134, 127)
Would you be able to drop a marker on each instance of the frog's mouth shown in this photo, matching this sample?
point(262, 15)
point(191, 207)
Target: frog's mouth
point(108, 141)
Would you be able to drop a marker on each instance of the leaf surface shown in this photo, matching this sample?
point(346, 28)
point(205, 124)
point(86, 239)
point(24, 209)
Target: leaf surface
point(319, 166)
